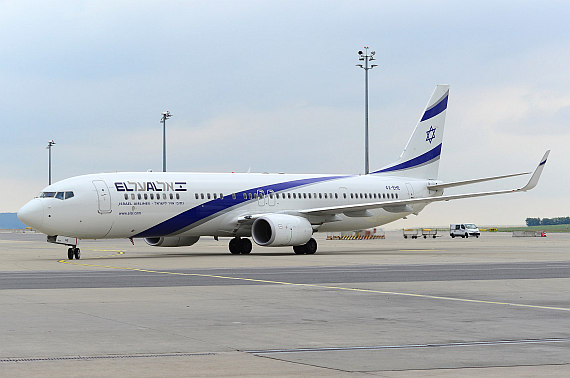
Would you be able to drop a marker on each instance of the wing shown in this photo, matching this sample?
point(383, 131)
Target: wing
point(403, 205)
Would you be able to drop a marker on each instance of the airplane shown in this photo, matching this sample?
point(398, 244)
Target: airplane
point(176, 209)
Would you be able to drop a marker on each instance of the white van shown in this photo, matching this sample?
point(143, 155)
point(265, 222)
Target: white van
point(464, 230)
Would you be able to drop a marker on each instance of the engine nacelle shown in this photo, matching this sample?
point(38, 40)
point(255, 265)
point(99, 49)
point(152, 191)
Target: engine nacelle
point(279, 230)
point(171, 241)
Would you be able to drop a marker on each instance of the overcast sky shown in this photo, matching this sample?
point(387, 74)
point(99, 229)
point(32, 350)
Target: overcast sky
point(272, 86)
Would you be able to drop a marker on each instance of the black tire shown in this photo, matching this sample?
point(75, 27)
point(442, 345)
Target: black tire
point(425, 236)
point(77, 253)
point(311, 246)
point(434, 236)
point(299, 249)
point(70, 254)
point(246, 246)
point(234, 246)
point(405, 237)
point(453, 236)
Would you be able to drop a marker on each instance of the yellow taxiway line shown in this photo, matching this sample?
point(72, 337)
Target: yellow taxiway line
point(340, 288)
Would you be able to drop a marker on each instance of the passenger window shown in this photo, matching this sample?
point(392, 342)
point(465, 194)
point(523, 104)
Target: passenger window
point(151, 196)
point(320, 195)
point(233, 196)
point(208, 195)
point(330, 195)
point(221, 196)
point(215, 196)
point(325, 196)
point(126, 196)
point(70, 194)
point(145, 196)
point(294, 196)
point(172, 197)
point(202, 195)
point(245, 196)
point(59, 195)
point(195, 195)
point(396, 195)
point(139, 196)
point(250, 196)
point(344, 195)
point(365, 195)
point(336, 195)
point(177, 195)
point(133, 196)
point(309, 195)
point(351, 195)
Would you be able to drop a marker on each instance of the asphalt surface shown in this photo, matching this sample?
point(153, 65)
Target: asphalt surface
point(494, 306)
point(268, 276)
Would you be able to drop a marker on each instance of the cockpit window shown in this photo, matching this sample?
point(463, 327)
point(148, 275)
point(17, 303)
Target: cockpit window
point(58, 195)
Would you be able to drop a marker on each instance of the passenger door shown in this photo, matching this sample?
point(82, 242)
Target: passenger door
point(103, 196)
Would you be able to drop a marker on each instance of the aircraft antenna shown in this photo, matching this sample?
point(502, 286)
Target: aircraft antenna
point(364, 56)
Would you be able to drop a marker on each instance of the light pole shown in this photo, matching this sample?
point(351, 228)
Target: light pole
point(50, 144)
point(366, 58)
point(165, 116)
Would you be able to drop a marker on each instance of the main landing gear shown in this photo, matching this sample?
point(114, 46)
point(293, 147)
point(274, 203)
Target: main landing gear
point(239, 246)
point(73, 251)
point(309, 248)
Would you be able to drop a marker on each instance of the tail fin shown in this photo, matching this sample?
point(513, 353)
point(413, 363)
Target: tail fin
point(420, 158)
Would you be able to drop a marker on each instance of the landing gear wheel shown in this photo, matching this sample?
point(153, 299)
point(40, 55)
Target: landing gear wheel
point(245, 246)
point(466, 236)
point(77, 253)
point(70, 254)
point(234, 246)
point(299, 249)
point(309, 248)
point(239, 246)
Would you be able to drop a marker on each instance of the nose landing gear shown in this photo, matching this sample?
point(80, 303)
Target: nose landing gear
point(73, 251)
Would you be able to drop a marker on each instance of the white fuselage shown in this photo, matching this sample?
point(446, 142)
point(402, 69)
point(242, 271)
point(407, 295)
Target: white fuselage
point(154, 204)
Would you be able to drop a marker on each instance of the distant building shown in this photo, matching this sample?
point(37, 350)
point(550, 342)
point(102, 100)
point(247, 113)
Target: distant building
point(10, 221)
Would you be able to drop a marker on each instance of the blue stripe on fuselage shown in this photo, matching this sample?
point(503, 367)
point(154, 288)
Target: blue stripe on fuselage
point(207, 209)
point(422, 159)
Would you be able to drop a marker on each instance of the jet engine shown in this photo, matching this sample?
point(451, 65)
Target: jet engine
point(171, 241)
point(278, 230)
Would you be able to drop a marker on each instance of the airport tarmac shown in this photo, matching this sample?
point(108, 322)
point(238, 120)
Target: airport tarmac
point(493, 306)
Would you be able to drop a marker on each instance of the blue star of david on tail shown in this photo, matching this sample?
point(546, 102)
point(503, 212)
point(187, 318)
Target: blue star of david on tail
point(431, 137)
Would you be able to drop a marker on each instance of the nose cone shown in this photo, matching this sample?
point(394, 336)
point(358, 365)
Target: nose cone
point(32, 214)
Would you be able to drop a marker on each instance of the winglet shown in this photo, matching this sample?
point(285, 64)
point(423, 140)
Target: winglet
point(536, 175)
